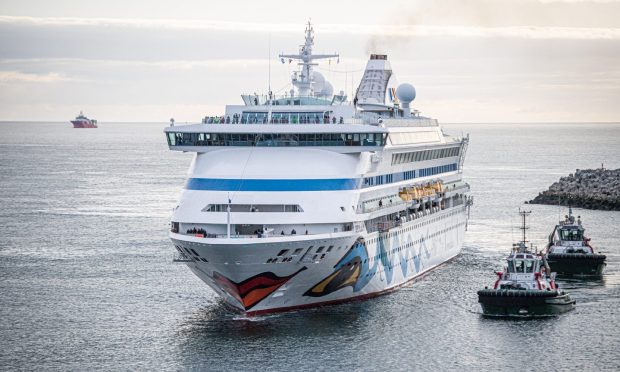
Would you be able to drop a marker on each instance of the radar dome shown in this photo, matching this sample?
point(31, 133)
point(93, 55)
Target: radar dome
point(405, 93)
point(328, 89)
point(319, 82)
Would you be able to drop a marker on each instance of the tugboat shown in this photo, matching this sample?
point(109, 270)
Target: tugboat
point(569, 252)
point(82, 121)
point(526, 288)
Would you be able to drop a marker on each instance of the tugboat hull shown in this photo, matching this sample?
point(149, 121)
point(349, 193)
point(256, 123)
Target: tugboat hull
point(577, 264)
point(523, 303)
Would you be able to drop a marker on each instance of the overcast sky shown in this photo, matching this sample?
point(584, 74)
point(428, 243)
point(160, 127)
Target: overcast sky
point(470, 60)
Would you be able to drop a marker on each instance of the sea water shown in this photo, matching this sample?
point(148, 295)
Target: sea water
point(87, 279)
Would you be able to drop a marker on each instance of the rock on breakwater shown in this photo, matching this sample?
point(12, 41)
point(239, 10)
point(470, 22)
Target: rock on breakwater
point(587, 188)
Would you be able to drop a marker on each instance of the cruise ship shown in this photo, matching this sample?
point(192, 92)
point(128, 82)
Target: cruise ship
point(313, 198)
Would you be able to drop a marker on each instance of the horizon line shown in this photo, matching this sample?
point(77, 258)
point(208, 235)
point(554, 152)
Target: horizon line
point(441, 123)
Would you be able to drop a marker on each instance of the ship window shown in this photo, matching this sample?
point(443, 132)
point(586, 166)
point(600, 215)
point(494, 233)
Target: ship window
point(519, 266)
point(297, 251)
point(571, 234)
point(273, 139)
point(172, 139)
point(282, 252)
point(529, 266)
point(320, 249)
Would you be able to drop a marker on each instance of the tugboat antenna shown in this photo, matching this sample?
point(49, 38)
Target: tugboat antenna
point(559, 209)
point(524, 227)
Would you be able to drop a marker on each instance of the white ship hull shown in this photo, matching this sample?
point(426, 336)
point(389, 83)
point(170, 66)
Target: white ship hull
point(349, 271)
point(310, 198)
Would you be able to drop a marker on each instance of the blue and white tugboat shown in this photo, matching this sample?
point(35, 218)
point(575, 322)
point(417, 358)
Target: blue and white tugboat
point(526, 288)
point(569, 252)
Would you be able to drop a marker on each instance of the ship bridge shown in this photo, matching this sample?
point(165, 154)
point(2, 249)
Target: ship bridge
point(345, 138)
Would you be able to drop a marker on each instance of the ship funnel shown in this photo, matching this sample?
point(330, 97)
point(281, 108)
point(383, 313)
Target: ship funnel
point(371, 92)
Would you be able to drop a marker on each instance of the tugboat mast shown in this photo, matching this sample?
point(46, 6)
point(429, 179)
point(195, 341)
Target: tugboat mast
point(524, 227)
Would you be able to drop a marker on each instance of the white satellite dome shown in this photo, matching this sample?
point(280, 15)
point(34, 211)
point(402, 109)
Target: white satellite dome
point(319, 82)
point(328, 90)
point(405, 93)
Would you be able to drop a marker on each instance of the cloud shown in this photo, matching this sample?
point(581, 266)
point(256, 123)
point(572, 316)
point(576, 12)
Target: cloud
point(17, 76)
point(470, 60)
point(383, 30)
point(177, 64)
point(176, 24)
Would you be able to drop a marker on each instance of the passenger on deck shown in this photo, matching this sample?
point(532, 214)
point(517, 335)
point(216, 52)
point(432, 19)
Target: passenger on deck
point(293, 232)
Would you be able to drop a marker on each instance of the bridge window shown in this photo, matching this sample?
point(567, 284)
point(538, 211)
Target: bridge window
point(574, 235)
point(275, 139)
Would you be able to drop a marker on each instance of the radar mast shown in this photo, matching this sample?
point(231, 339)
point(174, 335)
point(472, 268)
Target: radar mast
point(304, 80)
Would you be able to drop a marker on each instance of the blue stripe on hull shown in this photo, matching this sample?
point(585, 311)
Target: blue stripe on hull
point(331, 184)
point(222, 184)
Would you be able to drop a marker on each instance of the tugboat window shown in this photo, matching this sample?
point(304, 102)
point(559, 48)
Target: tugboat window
point(519, 266)
point(529, 266)
point(571, 234)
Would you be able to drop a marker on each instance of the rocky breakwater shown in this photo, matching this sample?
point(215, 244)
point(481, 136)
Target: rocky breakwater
point(587, 188)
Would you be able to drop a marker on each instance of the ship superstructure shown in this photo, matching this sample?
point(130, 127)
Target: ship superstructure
point(311, 198)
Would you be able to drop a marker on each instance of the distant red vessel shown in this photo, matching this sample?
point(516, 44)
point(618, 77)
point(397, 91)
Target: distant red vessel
point(82, 121)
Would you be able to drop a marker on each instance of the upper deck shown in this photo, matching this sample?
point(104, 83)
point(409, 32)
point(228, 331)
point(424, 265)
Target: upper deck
point(311, 115)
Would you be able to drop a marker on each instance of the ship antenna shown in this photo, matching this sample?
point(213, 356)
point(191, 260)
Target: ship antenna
point(559, 209)
point(524, 227)
point(512, 229)
point(269, 85)
point(304, 81)
point(269, 59)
